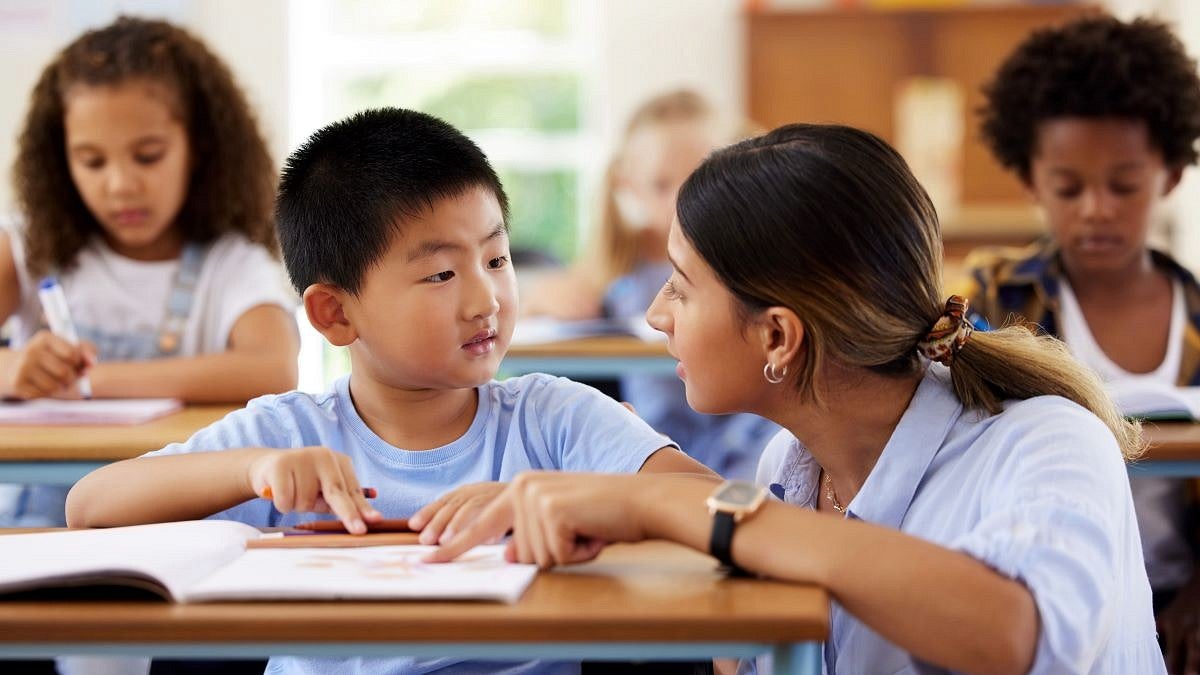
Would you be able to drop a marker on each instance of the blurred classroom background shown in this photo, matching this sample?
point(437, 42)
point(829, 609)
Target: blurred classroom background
point(544, 86)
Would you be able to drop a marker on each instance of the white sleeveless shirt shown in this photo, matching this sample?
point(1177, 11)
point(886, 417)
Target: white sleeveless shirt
point(1159, 501)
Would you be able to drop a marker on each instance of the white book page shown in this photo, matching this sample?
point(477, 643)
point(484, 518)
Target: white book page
point(174, 555)
point(94, 411)
point(369, 573)
point(1142, 399)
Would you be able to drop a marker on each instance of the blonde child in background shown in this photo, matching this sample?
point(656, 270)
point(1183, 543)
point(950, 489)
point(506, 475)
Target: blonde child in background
point(666, 138)
point(147, 190)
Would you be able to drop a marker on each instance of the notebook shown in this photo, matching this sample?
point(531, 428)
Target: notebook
point(209, 560)
point(48, 411)
point(1150, 401)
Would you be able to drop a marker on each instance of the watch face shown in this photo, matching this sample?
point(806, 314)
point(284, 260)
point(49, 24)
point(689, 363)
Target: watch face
point(739, 493)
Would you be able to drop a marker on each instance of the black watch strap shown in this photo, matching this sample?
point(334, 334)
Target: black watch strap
point(720, 544)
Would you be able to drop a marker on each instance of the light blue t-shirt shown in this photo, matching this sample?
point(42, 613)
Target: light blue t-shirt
point(530, 422)
point(1038, 493)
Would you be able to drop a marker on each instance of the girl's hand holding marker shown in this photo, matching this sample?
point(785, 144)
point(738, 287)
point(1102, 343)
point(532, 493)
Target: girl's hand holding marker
point(54, 361)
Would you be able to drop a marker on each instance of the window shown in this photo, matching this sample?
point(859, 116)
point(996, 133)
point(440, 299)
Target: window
point(513, 74)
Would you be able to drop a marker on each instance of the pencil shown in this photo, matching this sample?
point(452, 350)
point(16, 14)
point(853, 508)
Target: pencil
point(368, 492)
point(389, 525)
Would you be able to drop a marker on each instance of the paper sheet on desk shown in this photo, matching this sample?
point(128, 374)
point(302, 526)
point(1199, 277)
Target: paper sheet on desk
point(538, 331)
point(107, 411)
point(383, 572)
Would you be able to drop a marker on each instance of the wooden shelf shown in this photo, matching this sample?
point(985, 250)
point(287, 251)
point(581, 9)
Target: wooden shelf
point(846, 65)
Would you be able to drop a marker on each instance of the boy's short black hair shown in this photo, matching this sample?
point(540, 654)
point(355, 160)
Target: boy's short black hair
point(1095, 67)
point(345, 192)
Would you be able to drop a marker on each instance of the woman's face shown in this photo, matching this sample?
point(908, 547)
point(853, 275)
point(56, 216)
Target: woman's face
point(720, 366)
point(1098, 182)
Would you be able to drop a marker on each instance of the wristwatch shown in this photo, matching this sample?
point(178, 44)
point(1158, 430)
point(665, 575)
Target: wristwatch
point(730, 504)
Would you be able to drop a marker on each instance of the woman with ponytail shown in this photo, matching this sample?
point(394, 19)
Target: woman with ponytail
point(962, 495)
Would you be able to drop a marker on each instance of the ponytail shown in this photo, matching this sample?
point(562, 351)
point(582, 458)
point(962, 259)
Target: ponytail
point(1015, 363)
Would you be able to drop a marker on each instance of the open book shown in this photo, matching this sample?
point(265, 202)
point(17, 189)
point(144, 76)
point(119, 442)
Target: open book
point(95, 411)
point(1155, 401)
point(205, 560)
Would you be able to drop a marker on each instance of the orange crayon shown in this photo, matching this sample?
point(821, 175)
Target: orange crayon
point(386, 525)
point(368, 492)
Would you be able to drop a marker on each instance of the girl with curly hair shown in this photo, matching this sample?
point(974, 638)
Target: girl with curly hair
point(147, 190)
point(1098, 119)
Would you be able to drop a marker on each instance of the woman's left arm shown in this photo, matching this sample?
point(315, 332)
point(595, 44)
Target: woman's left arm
point(941, 606)
point(260, 359)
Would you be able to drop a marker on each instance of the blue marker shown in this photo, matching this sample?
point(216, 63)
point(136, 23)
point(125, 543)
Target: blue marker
point(54, 304)
point(777, 490)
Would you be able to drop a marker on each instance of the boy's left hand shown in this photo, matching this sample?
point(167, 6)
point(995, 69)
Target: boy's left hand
point(453, 511)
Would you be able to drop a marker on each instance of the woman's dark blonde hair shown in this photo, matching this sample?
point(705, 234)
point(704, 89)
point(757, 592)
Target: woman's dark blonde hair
point(232, 184)
point(615, 244)
point(829, 222)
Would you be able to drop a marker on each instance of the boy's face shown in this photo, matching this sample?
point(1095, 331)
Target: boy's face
point(1098, 182)
point(437, 311)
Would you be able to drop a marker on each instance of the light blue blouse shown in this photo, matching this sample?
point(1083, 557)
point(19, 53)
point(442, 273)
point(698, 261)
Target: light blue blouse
point(1038, 493)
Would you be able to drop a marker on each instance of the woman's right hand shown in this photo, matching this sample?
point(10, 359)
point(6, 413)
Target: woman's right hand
point(556, 518)
point(314, 479)
point(47, 365)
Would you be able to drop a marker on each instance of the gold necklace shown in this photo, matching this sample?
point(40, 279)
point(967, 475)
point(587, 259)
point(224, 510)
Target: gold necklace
point(833, 500)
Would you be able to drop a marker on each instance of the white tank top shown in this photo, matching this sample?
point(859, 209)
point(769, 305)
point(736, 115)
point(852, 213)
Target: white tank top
point(1159, 501)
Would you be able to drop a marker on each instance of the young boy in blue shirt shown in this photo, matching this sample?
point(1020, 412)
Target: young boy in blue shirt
point(393, 228)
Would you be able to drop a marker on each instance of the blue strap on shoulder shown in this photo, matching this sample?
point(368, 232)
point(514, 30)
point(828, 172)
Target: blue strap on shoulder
point(181, 298)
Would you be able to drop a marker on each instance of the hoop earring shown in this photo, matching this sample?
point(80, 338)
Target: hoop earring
point(773, 376)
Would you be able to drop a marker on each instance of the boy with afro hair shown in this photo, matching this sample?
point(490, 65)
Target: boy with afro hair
point(1098, 119)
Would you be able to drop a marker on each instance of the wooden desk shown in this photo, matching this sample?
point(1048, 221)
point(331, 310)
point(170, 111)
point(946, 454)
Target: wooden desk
point(609, 356)
point(63, 454)
point(652, 600)
point(1174, 450)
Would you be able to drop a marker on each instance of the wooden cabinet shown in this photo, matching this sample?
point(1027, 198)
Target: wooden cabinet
point(846, 66)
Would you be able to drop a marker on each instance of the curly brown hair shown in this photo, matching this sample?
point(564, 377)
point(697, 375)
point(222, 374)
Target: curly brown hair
point(232, 185)
point(1096, 66)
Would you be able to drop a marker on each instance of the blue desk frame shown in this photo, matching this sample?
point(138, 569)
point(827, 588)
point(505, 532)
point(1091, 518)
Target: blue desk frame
point(46, 473)
point(789, 659)
point(1165, 468)
point(589, 366)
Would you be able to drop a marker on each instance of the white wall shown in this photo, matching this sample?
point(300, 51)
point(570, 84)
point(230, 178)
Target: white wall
point(1186, 245)
point(29, 34)
point(647, 47)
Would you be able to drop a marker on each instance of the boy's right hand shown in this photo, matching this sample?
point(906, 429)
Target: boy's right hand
point(313, 479)
point(47, 365)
